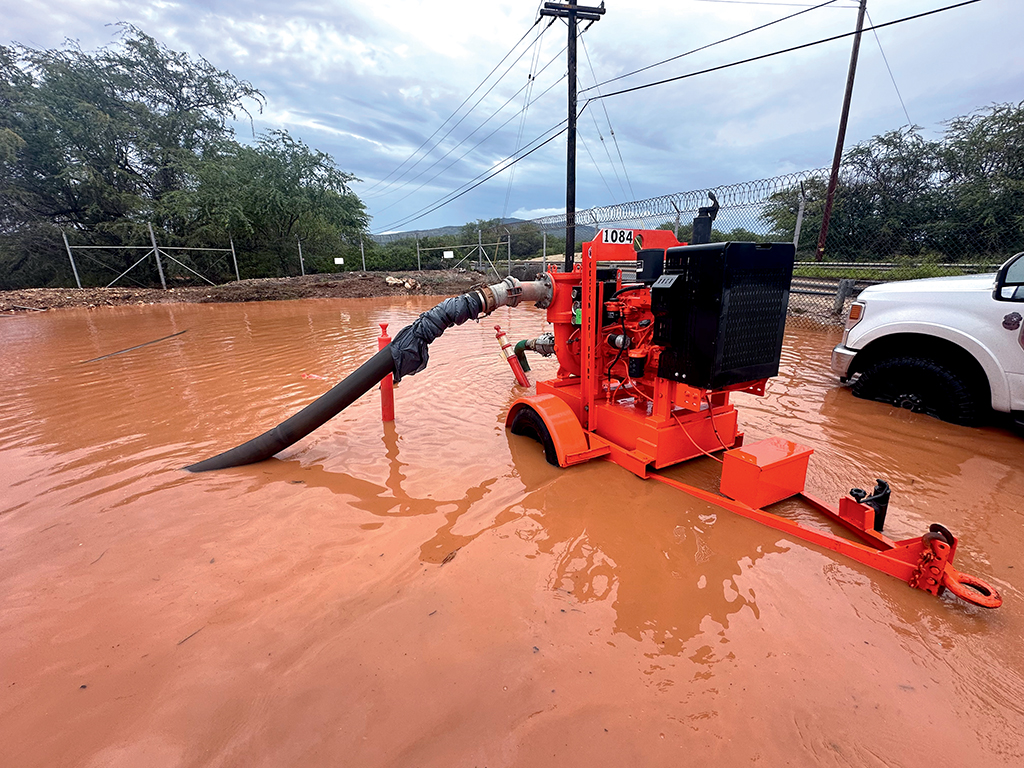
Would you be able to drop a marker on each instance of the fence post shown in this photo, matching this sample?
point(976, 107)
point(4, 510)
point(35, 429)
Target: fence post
point(302, 264)
point(479, 251)
point(509, 252)
point(799, 218)
point(362, 252)
point(234, 258)
point(73, 267)
point(156, 255)
point(418, 267)
point(544, 252)
point(844, 291)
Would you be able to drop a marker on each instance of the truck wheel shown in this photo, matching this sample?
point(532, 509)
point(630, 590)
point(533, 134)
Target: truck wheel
point(921, 385)
point(528, 423)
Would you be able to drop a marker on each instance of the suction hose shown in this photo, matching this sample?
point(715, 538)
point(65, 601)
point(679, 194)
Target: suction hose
point(404, 356)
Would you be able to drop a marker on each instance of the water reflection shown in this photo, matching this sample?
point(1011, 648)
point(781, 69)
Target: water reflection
point(655, 556)
point(659, 557)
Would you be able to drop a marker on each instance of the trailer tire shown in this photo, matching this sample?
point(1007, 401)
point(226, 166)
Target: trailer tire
point(528, 423)
point(922, 385)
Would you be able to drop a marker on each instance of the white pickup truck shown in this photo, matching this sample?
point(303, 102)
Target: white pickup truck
point(952, 347)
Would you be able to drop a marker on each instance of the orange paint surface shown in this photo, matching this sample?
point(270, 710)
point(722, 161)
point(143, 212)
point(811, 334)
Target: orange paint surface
point(432, 593)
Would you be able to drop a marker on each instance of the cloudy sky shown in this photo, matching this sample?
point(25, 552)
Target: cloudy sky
point(370, 82)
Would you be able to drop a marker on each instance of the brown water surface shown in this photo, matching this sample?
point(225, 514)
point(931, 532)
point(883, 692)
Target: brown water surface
point(434, 594)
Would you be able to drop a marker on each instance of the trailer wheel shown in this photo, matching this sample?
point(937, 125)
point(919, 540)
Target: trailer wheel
point(921, 385)
point(528, 423)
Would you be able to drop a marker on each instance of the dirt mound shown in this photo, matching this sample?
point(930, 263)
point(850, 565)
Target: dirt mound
point(347, 285)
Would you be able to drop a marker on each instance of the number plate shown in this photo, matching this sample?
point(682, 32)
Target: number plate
point(617, 236)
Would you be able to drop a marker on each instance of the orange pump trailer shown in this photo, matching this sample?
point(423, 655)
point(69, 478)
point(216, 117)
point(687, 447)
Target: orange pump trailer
point(595, 409)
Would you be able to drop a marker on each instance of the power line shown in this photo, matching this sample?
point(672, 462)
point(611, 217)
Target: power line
point(611, 130)
point(467, 152)
point(780, 52)
point(598, 168)
point(463, 141)
point(531, 80)
point(711, 45)
point(464, 102)
point(456, 125)
point(452, 196)
point(889, 69)
point(471, 185)
point(755, 2)
point(608, 154)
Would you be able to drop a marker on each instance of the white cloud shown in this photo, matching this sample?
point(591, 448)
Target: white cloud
point(369, 82)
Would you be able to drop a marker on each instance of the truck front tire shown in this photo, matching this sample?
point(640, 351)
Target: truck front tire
point(922, 385)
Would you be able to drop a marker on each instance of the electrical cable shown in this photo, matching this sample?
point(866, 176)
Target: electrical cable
point(828, 2)
point(711, 416)
point(607, 117)
point(756, 2)
point(472, 133)
point(780, 52)
point(531, 80)
point(889, 69)
point(468, 151)
point(622, 320)
point(597, 167)
point(453, 114)
point(451, 197)
point(695, 445)
point(611, 163)
point(711, 45)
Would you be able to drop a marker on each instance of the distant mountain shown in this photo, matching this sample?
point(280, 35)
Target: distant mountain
point(389, 237)
point(584, 233)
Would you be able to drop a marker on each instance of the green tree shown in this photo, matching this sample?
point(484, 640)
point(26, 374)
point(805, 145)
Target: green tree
point(982, 161)
point(268, 197)
point(101, 144)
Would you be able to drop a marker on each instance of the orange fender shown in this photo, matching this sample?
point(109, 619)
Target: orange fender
point(566, 432)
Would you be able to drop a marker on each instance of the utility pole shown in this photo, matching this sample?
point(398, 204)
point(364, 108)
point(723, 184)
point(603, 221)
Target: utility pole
point(571, 12)
point(841, 138)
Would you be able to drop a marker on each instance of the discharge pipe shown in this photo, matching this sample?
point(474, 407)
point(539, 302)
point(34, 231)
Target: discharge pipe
point(404, 356)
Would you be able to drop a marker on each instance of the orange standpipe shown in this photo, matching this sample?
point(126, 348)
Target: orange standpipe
point(387, 384)
point(509, 354)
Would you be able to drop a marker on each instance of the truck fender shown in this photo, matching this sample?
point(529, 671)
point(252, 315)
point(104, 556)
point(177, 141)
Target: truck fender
point(997, 381)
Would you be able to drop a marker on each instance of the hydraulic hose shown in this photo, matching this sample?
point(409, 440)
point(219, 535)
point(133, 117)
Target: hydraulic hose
point(404, 356)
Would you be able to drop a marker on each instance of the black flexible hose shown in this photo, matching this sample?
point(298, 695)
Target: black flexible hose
point(404, 356)
point(314, 415)
point(626, 289)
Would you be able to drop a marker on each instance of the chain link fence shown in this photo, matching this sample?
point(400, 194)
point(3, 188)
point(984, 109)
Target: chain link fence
point(880, 231)
point(874, 235)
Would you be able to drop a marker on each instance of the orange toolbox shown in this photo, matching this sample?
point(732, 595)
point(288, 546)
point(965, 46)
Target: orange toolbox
point(762, 473)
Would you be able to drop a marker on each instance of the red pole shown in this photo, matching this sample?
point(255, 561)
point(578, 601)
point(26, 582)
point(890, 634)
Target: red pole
point(387, 384)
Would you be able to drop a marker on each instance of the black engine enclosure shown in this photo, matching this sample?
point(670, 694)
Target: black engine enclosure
point(720, 312)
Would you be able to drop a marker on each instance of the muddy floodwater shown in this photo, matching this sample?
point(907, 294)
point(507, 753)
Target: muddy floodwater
point(432, 593)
